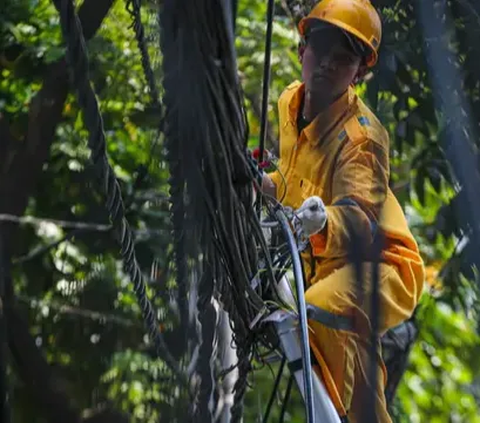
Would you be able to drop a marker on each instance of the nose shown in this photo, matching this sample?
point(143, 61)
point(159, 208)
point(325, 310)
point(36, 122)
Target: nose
point(326, 62)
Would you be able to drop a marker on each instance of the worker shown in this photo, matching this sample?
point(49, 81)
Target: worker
point(333, 169)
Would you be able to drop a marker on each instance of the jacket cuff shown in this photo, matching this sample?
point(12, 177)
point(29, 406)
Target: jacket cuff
point(318, 241)
point(334, 240)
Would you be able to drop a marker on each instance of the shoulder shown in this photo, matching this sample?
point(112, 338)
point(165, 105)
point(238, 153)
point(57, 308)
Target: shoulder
point(364, 126)
point(293, 85)
point(289, 92)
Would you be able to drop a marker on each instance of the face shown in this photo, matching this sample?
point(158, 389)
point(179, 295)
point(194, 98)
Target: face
point(329, 65)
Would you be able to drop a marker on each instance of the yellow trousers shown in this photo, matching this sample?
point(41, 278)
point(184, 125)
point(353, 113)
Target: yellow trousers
point(343, 355)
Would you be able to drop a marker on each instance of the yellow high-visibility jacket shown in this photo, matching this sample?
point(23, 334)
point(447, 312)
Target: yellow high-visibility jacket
point(343, 157)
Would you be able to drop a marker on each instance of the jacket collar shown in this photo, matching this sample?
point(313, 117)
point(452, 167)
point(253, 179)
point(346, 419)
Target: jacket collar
point(327, 121)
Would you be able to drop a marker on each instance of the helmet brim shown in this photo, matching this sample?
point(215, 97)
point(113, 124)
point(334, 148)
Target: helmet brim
point(370, 54)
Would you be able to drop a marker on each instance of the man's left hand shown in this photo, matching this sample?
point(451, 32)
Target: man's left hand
point(312, 215)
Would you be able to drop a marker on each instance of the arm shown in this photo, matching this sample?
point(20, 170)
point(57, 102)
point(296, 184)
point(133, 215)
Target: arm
point(359, 189)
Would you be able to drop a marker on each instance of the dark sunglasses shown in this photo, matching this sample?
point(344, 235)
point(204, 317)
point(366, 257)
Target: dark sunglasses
point(322, 38)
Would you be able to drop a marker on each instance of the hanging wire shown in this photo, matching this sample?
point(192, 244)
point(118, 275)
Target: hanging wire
point(77, 59)
point(266, 78)
point(208, 132)
point(286, 400)
point(265, 90)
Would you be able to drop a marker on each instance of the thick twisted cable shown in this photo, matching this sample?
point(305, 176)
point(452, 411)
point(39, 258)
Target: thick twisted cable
point(77, 58)
point(176, 197)
point(302, 311)
point(133, 7)
point(177, 180)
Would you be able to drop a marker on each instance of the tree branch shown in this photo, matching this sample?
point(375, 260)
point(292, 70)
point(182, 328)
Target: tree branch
point(35, 372)
point(297, 9)
point(46, 388)
point(21, 162)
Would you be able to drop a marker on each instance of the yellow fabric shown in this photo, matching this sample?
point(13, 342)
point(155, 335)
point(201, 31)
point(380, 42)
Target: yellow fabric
point(358, 17)
point(342, 156)
point(344, 356)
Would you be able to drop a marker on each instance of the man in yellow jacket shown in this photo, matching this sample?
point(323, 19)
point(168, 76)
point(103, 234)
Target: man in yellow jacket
point(334, 169)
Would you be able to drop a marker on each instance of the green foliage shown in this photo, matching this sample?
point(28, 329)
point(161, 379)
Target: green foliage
point(80, 305)
point(441, 383)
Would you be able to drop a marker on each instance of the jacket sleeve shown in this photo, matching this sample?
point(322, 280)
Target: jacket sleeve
point(283, 101)
point(359, 190)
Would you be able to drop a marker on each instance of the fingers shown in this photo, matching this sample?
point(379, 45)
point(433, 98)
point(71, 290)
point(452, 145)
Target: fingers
point(268, 186)
point(313, 204)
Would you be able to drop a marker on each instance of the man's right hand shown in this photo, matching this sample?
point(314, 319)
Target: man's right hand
point(268, 186)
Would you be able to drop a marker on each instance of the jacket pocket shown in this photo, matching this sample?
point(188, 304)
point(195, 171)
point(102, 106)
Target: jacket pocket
point(307, 188)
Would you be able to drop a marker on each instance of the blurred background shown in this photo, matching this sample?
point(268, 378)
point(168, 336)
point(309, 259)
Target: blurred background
point(74, 341)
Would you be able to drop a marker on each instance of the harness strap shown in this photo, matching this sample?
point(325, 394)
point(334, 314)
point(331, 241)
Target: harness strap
point(331, 320)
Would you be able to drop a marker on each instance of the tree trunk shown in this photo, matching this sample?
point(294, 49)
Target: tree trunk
point(21, 163)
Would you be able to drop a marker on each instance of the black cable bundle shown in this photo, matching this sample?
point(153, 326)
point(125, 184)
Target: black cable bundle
point(205, 129)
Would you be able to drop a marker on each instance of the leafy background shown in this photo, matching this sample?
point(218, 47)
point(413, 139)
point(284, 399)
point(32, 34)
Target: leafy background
point(76, 342)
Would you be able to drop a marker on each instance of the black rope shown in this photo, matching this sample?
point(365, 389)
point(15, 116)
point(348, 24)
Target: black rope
point(77, 58)
point(133, 7)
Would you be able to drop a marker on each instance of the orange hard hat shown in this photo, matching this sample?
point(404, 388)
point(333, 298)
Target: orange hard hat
point(355, 17)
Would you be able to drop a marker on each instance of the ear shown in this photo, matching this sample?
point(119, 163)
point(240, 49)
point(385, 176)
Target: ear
point(301, 50)
point(362, 71)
